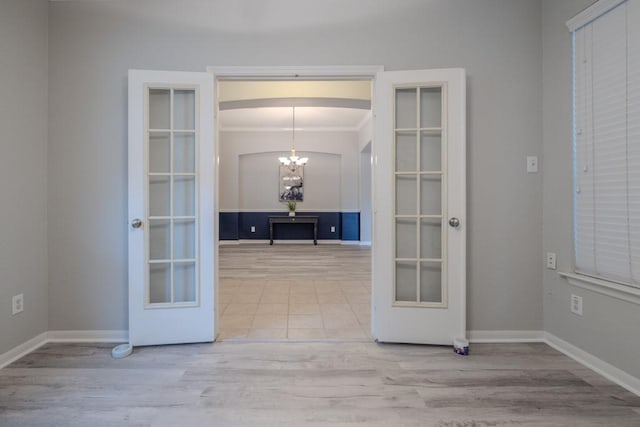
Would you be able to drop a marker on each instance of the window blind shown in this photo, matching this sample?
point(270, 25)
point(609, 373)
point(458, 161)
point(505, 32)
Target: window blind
point(606, 58)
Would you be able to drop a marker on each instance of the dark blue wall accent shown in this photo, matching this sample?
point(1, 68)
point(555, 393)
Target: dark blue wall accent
point(228, 226)
point(350, 225)
point(237, 225)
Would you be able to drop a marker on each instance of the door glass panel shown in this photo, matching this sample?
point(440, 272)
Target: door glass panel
point(159, 152)
point(184, 153)
point(418, 194)
point(430, 107)
point(430, 238)
point(430, 282)
point(406, 152)
point(172, 159)
point(406, 108)
point(406, 279)
point(184, 239)
point(184, 109)
point(406, 238)
point(159, 109)
point(159, 196)
point(430, 152)
point(159, 239)
point(184, 281)
point(160, 283)
point(184, 195)
point(406, 190)
point(430, 195)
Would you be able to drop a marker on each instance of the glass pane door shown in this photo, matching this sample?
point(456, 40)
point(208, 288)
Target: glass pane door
point(420, 189)
point(172, 245)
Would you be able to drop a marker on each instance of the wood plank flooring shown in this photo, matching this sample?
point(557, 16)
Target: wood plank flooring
point(244, 383)
point(308, 384)
point(295, 292)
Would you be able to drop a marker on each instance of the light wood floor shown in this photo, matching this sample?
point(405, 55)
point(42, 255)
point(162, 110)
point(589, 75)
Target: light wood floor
point(308, 384)
point(243, 383)
point(295, 292)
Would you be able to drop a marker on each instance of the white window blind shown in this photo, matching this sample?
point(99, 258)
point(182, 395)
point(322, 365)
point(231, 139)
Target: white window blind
point(606, 57)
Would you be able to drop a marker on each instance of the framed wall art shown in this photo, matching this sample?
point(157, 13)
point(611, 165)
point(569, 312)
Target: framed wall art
point(291, 183)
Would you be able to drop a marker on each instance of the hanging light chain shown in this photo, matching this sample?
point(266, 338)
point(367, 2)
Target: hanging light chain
point(293, 160)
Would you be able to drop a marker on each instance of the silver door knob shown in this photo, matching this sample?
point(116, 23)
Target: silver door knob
point(454, 222)
point(136, 223)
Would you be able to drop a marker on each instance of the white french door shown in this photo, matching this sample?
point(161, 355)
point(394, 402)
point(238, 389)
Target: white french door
point(172, 232)
point(419, 262)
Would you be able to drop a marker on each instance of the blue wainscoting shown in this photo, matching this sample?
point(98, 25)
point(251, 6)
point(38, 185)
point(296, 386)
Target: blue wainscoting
point(350, 225)
point(237, 225)
point(228, 225)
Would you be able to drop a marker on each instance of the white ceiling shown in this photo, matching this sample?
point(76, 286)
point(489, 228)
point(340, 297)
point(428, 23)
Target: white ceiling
point(280, 118)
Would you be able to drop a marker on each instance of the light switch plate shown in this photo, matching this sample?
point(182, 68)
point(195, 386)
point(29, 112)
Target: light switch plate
point(532, 164)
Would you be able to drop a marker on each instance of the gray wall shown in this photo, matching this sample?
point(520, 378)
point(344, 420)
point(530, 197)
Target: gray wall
point(249, 169)
point(365, 195)
point(609, 327)
point(365, 136)
point(23, 169)
point(92, 44)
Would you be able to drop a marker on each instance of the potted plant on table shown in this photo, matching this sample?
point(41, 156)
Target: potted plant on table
point(291, 205)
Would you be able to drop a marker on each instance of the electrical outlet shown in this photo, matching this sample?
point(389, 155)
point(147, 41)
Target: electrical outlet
point(551, 260)
point(532, 164)
point(17, 304)
point(253, 228)
point(333, 228)
point(576, 304)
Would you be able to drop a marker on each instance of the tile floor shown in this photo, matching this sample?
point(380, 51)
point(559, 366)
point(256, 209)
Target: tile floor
point(294, 309)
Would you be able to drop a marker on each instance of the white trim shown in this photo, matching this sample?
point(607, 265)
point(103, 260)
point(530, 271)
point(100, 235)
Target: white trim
point(33, 344)
point(597, 9)
point(298, 130)
point(88, 336)
point(365, 243)
point(594, 363)
point(288, 72)
point(287, 242)
point(505, 336)
point(604, 287)
point(268, 210)
point(23, 349)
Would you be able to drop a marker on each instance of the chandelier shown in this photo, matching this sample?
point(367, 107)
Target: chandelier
point(293, 161)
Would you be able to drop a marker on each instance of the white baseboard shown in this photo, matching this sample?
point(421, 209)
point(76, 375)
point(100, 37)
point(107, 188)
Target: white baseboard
point(286, 242)
point(22, 349)
point(594, 363)
point(61, 336)
point(88, 336)
point(505, 336)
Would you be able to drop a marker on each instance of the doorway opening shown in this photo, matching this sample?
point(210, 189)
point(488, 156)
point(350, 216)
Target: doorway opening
point(293, 289)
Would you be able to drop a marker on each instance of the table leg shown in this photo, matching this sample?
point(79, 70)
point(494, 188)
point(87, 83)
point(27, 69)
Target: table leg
point(271, 233)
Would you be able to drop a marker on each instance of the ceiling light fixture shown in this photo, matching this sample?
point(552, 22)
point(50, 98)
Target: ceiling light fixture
point(293, 161)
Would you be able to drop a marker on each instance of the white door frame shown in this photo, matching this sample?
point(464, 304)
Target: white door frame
point(370, 72)
point(346, 72)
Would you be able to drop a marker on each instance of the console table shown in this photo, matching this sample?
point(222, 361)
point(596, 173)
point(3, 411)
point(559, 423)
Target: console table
point(294, 220)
